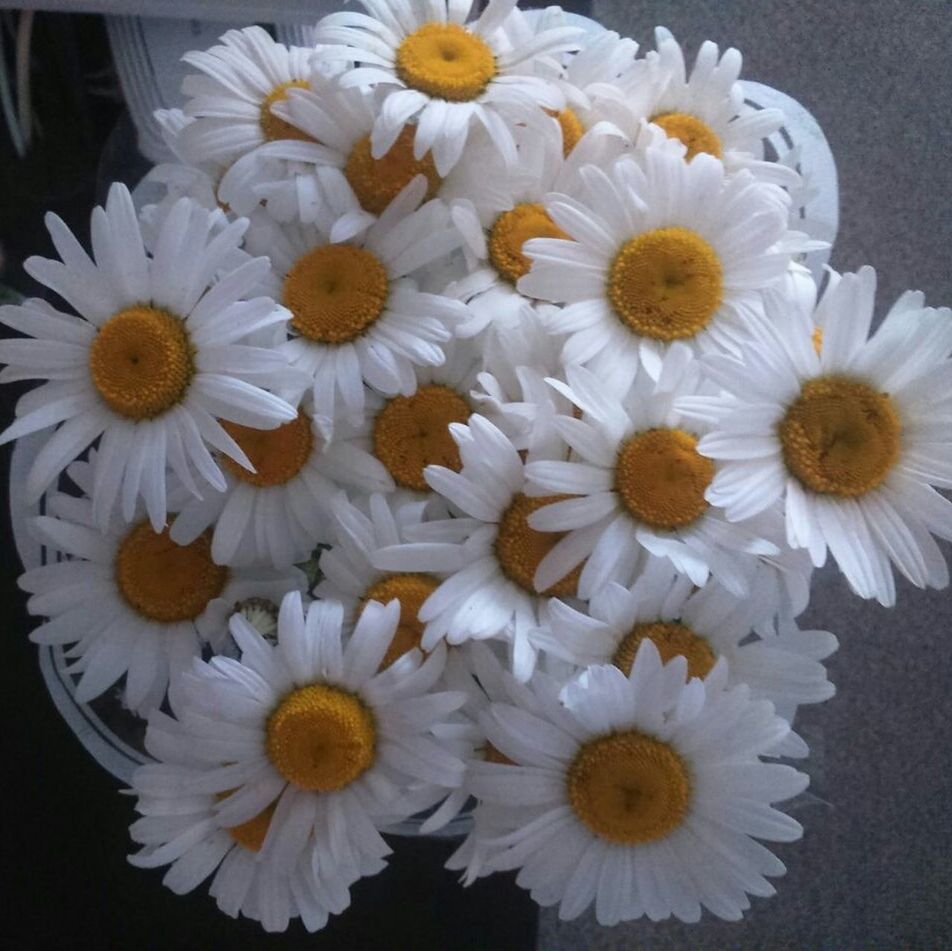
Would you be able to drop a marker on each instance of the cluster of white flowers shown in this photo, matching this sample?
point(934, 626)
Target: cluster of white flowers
point(511, 323)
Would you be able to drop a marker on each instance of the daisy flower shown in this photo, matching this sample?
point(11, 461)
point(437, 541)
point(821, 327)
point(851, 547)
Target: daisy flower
point(656, 254)
point(699, 624)
point(703, 109)
point(180, 829)
point(637, 484)
point(352, 578)
point(311, 728)
point(491, 594)
point(851, 436)
point(356, 314)
point(131, 601)
point(157, 358)
point(442, 73)
point(508, 211)
point(278, 513)
point(241, 79)
point(640, 793)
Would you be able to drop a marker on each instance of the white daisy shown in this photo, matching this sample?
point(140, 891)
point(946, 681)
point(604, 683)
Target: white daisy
point(641, 794)
point(700, 624)
point(704, 109)
point(350, 574)
point(492, 593)
point(157, 358)
point(231, 101)
point(180, 829)
point(660, 253)
point(356, 313)
point(446, 74)
point(314, 728)
point(636, 488)
point(498, 210)
point(131, 601)
point(278, 513)
point(852, 439)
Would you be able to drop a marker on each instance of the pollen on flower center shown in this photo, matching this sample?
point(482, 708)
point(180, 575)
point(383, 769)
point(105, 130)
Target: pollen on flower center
point(163, 581)
point(141, 362)
point(629, 788)
point(840, 436)
point(274, 127)
point(251, 834)
point(661, 478)
point(696, 135)
point(673, 639)
point(321, 738)
point(412, 432)
point(335, 292)
point(520, 548)
point(571, 128)
point(411, 590)
point(376, 182)
point(666, 284)
point(511, 230)
point(446, 61)
point(278, 455)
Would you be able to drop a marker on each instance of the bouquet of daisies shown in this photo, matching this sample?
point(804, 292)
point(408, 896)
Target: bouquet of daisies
point(455, 436)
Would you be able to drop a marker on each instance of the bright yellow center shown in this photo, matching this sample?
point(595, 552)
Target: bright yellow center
point(661, 478)
point(335, 292)
point(629, 788)
point(571, 128)
point(697, 136)
point(817, 338)
point(376, 182)
point(673, 639)
point(511, 230)
point(251, 834)
point(163, 581)
point(840, 437)
point(519, 548)
point(666, 284)
point(411, 590)
point(274, 127)
point(141, 362)
point(278, 455)
point(446, 61)
point(321, 738)
point(412, 432)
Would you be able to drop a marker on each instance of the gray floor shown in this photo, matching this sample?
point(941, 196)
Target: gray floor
point(875, 867)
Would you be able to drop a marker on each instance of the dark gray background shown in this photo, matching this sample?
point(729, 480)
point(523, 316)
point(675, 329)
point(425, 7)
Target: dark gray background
point(874, 869)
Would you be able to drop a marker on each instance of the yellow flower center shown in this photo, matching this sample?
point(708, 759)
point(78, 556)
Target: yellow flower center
point(251, 834)
point(817, 338)
point(571, 127)
point(376, 182)
point(629, 788)
point(411, 590)
point(321, 738)
point(673, 639)
point(666, 284)
point(661, 478)
point(141, 362)
point(412, 432)
point(519, 548)
point(335, 292)
point(278, 455)
point(274, 127)
point(163, 581)
point(511, 230)
point(492, 755)
point(840, 437)
point(697, 136)
point(446, 61)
